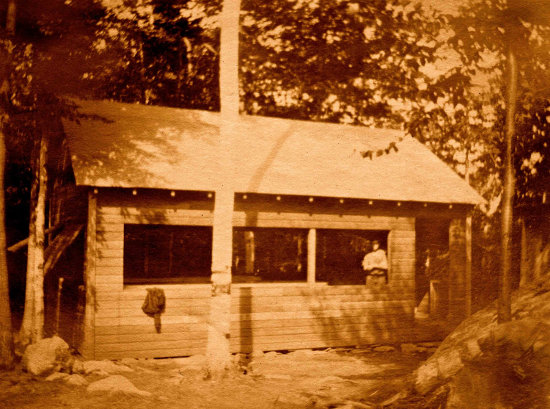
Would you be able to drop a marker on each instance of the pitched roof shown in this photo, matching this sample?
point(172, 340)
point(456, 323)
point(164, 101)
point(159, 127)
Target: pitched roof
point(137, 146)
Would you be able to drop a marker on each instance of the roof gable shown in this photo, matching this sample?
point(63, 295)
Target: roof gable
point(138, 146)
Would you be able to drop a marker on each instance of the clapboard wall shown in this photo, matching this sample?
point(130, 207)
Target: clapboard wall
point(265, 316)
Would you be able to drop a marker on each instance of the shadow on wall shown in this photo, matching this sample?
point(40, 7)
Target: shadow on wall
point(359, 315)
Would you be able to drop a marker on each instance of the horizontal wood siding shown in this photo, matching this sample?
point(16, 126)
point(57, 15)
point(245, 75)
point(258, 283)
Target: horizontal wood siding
point(263, 316)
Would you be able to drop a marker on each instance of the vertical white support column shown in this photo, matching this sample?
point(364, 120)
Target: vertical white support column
point(311, 255)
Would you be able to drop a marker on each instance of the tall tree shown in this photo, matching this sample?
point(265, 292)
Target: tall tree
point(504, 296)
point(158, 52)
point(512, 38)
point(47, 34)
point(6, 334)
point(218, 352)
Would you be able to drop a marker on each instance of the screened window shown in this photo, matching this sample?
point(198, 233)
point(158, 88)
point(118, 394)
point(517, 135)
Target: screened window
point(269, 255)
point(165, 254)
point(340, 254)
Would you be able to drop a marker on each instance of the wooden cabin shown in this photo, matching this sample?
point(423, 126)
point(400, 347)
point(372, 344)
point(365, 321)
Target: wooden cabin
point(310, 198)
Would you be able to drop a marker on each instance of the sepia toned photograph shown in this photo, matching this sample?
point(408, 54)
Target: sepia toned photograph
point(275, 204)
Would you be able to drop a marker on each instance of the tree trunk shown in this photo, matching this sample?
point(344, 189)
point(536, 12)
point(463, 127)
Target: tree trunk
point(25, 333)
point(32, 327)
point(142, 72)
point(7, 355)
point(218, 353)
point(504, 298)
point(184, 70)
point(38, 328)
point(6, 334)
point(468, 243)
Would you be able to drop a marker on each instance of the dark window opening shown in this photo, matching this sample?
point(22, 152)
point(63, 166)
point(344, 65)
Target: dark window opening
point(269, 255)
point(167, 254)
point(340, 254)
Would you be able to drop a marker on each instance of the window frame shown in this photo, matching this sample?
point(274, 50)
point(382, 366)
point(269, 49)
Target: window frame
point(131, 277)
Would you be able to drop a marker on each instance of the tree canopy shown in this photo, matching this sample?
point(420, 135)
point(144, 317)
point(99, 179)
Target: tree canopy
point(341, 61)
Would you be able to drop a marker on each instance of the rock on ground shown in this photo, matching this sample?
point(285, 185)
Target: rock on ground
point(482, 362)
point(78, 366)
point(116, 384)
point(46, 356)
point(104, 368)
point(278, 377)
point(384, 348)
point(56, 376)
point(76, 380)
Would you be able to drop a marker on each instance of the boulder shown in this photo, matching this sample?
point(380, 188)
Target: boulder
point(116, 384)
point(293, 399)
point(426, 377)
point(278, 377)
point(411, 349)
point(471, 350)
point(331, 380)
point(194, 361)
point(384, 348)
point(56, 376)
point(76, 380)
point(483, 363)
point(517, 337)
point(175, 380)
point(449, 364)
point(104, 368)
point(47, 356)
point(78, 366)
point(256, 355)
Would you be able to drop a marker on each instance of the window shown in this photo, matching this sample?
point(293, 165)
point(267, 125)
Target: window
point(269, 254)
point(166, 254)
point(340, 254)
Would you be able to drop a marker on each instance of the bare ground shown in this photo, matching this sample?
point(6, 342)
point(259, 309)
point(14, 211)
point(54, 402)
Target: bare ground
point(358, 378)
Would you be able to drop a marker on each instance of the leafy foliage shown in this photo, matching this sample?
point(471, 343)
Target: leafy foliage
point(340, 61)
point(158, 52)
point(482, 32)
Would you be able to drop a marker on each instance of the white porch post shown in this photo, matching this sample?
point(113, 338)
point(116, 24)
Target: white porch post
point(311, 255)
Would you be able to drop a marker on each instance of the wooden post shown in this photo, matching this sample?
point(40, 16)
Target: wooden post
point(88, 344)
point(311, 255)
point(468, 266)
point(457, 273)
point(250, 251)
point(524, 261)
point(537, 256)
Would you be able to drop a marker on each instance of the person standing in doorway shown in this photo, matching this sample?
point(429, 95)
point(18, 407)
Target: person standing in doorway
point(375, 265)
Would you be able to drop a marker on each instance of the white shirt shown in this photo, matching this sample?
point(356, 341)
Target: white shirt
point(375, 259)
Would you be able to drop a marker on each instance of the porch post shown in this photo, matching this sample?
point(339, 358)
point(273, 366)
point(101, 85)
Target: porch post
point(88, 342)
point(457, 270)
point(250, 251)
point(524, 270)
point(468, 266)
point(311, 255)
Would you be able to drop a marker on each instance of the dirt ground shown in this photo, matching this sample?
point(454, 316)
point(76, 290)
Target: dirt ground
point(299, 379)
